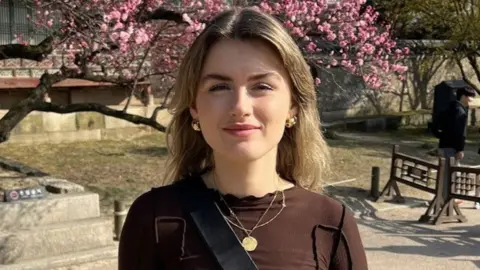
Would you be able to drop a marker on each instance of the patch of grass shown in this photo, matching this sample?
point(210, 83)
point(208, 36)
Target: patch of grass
point(127, 168)
point(112, 169)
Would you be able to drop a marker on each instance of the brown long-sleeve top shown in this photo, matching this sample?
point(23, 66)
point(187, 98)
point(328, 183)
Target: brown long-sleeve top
point(301, 237)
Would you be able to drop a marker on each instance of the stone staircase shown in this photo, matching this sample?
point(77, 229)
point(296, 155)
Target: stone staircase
point(59, 232)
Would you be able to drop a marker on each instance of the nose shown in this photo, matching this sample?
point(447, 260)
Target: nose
point(241, 103)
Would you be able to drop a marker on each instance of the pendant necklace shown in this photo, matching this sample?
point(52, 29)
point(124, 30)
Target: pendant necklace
point(250, 243)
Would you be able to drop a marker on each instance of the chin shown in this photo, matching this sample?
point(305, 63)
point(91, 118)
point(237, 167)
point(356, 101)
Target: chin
point(245, 153)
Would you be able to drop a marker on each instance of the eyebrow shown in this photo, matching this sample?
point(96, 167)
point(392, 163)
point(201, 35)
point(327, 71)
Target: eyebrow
point(221, 77)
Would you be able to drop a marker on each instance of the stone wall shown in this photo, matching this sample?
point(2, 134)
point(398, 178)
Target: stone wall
point(55, 128)
point(41, 127)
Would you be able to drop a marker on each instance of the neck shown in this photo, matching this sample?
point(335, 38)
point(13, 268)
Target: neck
point(252, 178)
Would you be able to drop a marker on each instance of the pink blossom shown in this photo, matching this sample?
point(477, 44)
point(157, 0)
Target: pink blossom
point(311, 47)
point(187, 18)
point(114, 15)
point(368, 48)
point(365, 48)
point(118, 25)
point(331, 36)
point(124, 36)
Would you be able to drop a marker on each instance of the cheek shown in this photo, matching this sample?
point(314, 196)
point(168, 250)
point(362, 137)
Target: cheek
point(207, 107)
point(272, 114)
point(209, 113)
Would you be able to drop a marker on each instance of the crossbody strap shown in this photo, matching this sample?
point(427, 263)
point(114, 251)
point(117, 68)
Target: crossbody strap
point(337, 237)
point(218, 235)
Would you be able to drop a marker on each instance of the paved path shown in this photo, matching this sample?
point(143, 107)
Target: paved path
point(395, 240)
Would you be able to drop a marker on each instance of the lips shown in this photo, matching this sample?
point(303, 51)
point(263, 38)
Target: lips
point(241, 130)
point(241, 127)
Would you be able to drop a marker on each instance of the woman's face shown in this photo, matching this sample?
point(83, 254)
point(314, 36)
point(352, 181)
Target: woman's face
point(243, 99)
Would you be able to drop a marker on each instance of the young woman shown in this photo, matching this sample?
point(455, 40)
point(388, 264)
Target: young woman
point(245, 128)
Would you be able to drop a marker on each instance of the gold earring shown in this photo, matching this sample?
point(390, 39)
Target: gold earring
point(196, 125)
point(291, 122)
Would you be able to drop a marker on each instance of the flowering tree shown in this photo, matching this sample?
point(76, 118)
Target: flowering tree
point(127, 42)
point(343, 35)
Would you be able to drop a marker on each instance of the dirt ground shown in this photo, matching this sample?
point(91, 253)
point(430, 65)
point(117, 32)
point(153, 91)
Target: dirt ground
point(125, 169)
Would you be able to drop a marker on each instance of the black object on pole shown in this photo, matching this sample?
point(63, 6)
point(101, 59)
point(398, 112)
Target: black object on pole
point(374, 192)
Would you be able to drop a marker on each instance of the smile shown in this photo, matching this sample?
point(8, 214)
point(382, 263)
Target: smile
point(241, 130)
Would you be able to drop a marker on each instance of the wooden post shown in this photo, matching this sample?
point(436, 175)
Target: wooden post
point(374, 192)
point(119, 216)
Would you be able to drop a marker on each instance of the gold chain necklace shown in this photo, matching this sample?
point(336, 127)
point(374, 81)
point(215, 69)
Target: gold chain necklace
point(250, 243)
point(258, 225)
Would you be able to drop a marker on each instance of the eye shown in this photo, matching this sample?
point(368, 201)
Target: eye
point(218, 87)
point(263, 86)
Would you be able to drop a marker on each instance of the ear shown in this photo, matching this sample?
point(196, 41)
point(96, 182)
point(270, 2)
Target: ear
point(193, 113)
point(293, 111)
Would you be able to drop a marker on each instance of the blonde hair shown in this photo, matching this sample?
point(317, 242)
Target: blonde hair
point(303, 154)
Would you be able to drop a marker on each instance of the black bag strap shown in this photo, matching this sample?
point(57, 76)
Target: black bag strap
point(218, 235)
point(337, 237)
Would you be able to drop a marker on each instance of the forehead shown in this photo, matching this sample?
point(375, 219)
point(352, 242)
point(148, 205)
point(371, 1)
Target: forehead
point(237, 58)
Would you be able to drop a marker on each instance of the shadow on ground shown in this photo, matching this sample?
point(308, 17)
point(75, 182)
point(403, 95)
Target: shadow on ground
point(409, 236)
point(359, 201)
point(153, 151)
point(433, 241)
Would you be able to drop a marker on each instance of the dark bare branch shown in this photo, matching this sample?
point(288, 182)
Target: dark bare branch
point(19, 111)
point(155, 112)
point(472, 59)
point(95, 107)
point(161, 14)
point(464, 75)
point(32, 52)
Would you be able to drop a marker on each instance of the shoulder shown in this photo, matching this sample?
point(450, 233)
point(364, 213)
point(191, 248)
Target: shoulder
point(157, 201)
point(460, 109)
point(324, 209)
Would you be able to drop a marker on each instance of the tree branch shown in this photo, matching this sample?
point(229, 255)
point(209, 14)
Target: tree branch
point(472, 59)
point(31, 52)
point(161, 14)
point(95, 107)
point(155, 112)
point(464, 75)
point(20, 110)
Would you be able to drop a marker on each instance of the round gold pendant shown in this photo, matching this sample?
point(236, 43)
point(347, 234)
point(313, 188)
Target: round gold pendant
point(249, 243)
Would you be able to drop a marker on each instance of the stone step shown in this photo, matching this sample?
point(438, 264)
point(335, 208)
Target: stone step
point(52, 209)
point(54, 239)
point(104, 258)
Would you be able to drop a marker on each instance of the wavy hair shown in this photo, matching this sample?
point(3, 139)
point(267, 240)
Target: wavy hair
point(303, 155)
